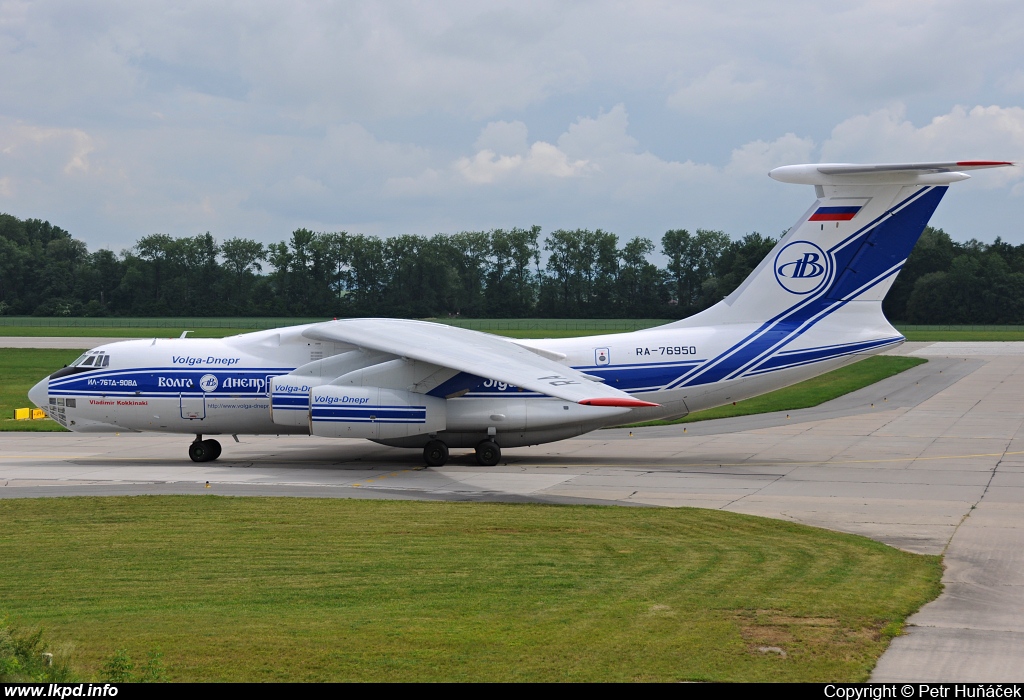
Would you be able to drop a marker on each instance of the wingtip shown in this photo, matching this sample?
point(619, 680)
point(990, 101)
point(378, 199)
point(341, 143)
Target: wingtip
point(984, 163)
point(620, 403)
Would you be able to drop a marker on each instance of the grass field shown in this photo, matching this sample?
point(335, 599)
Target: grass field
point(514, 327)
point(812, 392)
point(264, 589)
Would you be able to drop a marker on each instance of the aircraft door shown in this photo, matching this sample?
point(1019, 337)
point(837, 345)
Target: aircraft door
point(193, 407)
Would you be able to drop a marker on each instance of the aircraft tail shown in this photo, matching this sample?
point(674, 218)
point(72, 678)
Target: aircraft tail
point(843, 254)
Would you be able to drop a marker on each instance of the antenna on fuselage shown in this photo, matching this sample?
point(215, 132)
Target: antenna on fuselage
point(184, 333)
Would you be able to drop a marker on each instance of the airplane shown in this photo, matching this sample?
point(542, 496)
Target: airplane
point(812, 305)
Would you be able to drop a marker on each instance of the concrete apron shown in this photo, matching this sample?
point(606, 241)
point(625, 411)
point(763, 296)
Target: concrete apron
point(974, 631)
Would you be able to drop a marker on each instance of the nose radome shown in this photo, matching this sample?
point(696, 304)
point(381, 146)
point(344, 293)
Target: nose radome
point(40, 393)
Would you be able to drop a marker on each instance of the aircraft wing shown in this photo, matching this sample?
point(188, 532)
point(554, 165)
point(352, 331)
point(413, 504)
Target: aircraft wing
point(481, 354)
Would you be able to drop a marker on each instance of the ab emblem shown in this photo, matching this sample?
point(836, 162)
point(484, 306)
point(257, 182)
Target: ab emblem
point(802, 267)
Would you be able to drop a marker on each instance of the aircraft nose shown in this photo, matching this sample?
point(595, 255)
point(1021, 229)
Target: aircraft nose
point(40, 393)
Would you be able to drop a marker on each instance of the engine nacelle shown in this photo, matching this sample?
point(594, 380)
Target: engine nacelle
point(289, 399)
point(372, 412)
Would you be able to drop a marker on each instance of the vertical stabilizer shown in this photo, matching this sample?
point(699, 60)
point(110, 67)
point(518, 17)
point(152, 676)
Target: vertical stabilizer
point(819, 293)
point(848, 247)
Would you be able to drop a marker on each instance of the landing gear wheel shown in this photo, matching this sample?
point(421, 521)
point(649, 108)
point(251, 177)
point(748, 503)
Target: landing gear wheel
point(199, 451)
point(488, 453)
point(203, 450)
point(214, 447)
point(435, 454)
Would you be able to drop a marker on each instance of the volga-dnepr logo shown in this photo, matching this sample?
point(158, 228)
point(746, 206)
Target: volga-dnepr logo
point(802, 268)
point(208, 382)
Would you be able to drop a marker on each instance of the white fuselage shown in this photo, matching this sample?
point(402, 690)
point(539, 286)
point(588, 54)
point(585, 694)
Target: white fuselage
point(208, 386)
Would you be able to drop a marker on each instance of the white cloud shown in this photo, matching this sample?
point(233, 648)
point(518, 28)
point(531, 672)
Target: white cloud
point(603, 135)
point(978, 133)
point(718, 89)
point(43, 152)
point(505, 138)
point(758, 157)
point(542, 160)
point(485, 166)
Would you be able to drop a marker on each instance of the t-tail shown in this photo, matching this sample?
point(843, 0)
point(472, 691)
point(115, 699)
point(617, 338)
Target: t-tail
point(819, 293)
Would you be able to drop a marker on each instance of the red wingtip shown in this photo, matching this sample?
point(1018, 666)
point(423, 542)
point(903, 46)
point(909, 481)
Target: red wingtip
point(621, 403)
point(982, 163)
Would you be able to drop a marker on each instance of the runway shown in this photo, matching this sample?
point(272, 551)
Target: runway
point(931, 461)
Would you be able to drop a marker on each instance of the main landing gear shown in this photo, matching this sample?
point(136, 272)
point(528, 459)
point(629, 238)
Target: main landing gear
point(435, 453)
point(203, 450)
point(488, 453)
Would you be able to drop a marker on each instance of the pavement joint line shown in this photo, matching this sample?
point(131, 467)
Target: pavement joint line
point(991, 477)
point(758, 490)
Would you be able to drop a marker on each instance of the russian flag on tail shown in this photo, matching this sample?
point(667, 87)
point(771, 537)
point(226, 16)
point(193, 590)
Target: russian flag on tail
point(834, 213)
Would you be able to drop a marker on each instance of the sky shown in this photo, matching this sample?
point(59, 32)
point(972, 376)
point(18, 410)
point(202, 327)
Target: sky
point(252, 119)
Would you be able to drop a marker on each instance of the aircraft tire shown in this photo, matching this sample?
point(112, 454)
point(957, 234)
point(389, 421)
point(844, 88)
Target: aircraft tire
point(488, 453)
point(435, 454)
point(214, 448)
point(199, 451)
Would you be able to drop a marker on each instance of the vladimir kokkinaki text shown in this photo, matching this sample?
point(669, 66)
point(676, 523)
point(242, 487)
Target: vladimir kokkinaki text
point(919, 691)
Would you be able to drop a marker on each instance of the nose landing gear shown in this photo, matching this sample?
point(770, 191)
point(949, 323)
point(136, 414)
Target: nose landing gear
point(203, 450)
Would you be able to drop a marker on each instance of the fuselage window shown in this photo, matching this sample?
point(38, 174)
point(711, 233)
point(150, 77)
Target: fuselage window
point(88, 361)
point(106, 360)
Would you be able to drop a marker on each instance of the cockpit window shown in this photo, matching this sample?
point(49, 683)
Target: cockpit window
point(92, 359)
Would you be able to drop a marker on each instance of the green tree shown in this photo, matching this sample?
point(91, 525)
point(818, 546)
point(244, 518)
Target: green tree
point(640, 285)
point(692, 260)
point(511, 281)
point(581, 271)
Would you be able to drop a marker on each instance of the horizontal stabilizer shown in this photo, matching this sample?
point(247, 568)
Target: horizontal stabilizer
point(942, 173)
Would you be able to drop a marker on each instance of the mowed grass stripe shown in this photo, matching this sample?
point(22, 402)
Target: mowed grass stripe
point(233, 589)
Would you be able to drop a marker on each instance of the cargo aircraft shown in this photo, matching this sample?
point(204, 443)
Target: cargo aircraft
point(814, 304)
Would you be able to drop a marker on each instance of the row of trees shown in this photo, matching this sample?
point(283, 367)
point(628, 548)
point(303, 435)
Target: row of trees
point(498, 274)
